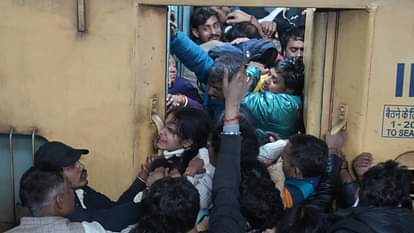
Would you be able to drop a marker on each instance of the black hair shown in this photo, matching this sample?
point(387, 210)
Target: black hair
point(152, 224)
point(254, 168)
point(301, 219)
point(293, 72)
point(250, 143)
point(268, 58)
point(308, 153)
point(386, 184)
point(231, 63)
point(260, 203)
point(294, 33)
point(176, 201)
point(199, 16)
point(36, 186)
point(240, 30)
point(193, 124)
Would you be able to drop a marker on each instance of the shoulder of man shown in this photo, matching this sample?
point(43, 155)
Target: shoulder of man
point(94, 199)
point(77, 227)
point(346, 220)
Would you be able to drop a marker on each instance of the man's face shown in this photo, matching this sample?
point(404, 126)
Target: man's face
point(275, 84)
point(211, 30)
point(288, 167)
point(215, 90)
point(64, 202)
point(168, 138)
point(68, 198)
point(76, 175)
point(294, 48)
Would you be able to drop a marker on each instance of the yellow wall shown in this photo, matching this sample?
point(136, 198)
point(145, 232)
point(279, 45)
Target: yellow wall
point(370, 44)
point(90, 90)
point(393, 43)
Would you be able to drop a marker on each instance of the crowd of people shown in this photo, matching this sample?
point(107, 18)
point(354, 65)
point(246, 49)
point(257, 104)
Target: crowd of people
point(235, 153)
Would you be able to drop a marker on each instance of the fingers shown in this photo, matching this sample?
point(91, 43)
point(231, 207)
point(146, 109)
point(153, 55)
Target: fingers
point(173, 29)
point(225, 78)
point(239, 40)
point(237, 17)
point(264, 28)
point(232, 18)
point(173, 172)
point(170, 99)
point(190, 172)
point(364, 158)
point(271, 136)
point(273, 28)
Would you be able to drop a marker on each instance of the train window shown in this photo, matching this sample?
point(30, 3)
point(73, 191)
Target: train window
point(16, 156)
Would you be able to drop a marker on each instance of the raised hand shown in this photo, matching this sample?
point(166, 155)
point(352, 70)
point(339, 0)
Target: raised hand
point(234, 91)
point(362, 163)
point(238, 17)
point(269, 29)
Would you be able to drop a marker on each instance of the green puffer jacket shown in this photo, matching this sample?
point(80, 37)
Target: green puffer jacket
point(278, 113)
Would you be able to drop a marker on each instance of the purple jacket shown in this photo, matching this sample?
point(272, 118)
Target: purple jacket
point(184, 87)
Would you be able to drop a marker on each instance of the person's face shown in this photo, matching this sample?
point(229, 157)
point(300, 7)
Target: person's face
point(262, 68)
point(215, 90)
point(69, 197)
point(211, 30)
point(290, 170)
point(168, 139)
point(222, 12)
point(76, 175)
point(65, 200)
point(275, 84)
point(172, 70)
point(294, 48)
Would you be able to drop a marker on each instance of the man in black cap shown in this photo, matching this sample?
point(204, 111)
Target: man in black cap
point(90, 205)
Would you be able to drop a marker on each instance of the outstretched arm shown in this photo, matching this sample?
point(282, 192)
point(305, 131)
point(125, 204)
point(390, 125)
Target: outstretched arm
point(226, 216)
point(191, 55)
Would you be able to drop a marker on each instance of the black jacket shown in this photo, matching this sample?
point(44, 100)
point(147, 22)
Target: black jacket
point(226, 216)
point(323, 197)
point(373, 220)
point(113, 216)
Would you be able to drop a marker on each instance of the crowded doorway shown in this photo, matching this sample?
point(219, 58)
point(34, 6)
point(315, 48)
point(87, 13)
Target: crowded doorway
point(267, 41)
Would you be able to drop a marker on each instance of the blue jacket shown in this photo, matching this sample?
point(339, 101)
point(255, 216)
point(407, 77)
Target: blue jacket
point(300, 189)
point(192, 56)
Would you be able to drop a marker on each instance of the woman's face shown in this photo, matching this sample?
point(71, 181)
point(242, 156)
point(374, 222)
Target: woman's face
point(172, 70)
point(168, 139)
point(275, 84)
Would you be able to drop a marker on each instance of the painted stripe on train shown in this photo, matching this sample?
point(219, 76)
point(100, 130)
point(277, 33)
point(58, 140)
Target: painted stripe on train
point(399, 80)
point(412, 81)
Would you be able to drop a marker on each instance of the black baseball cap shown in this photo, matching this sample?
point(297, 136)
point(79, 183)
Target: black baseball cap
point(57, 154)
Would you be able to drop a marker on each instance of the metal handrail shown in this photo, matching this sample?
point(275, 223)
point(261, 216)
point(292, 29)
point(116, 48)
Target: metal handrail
point(34, 132)
point(13, 183)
